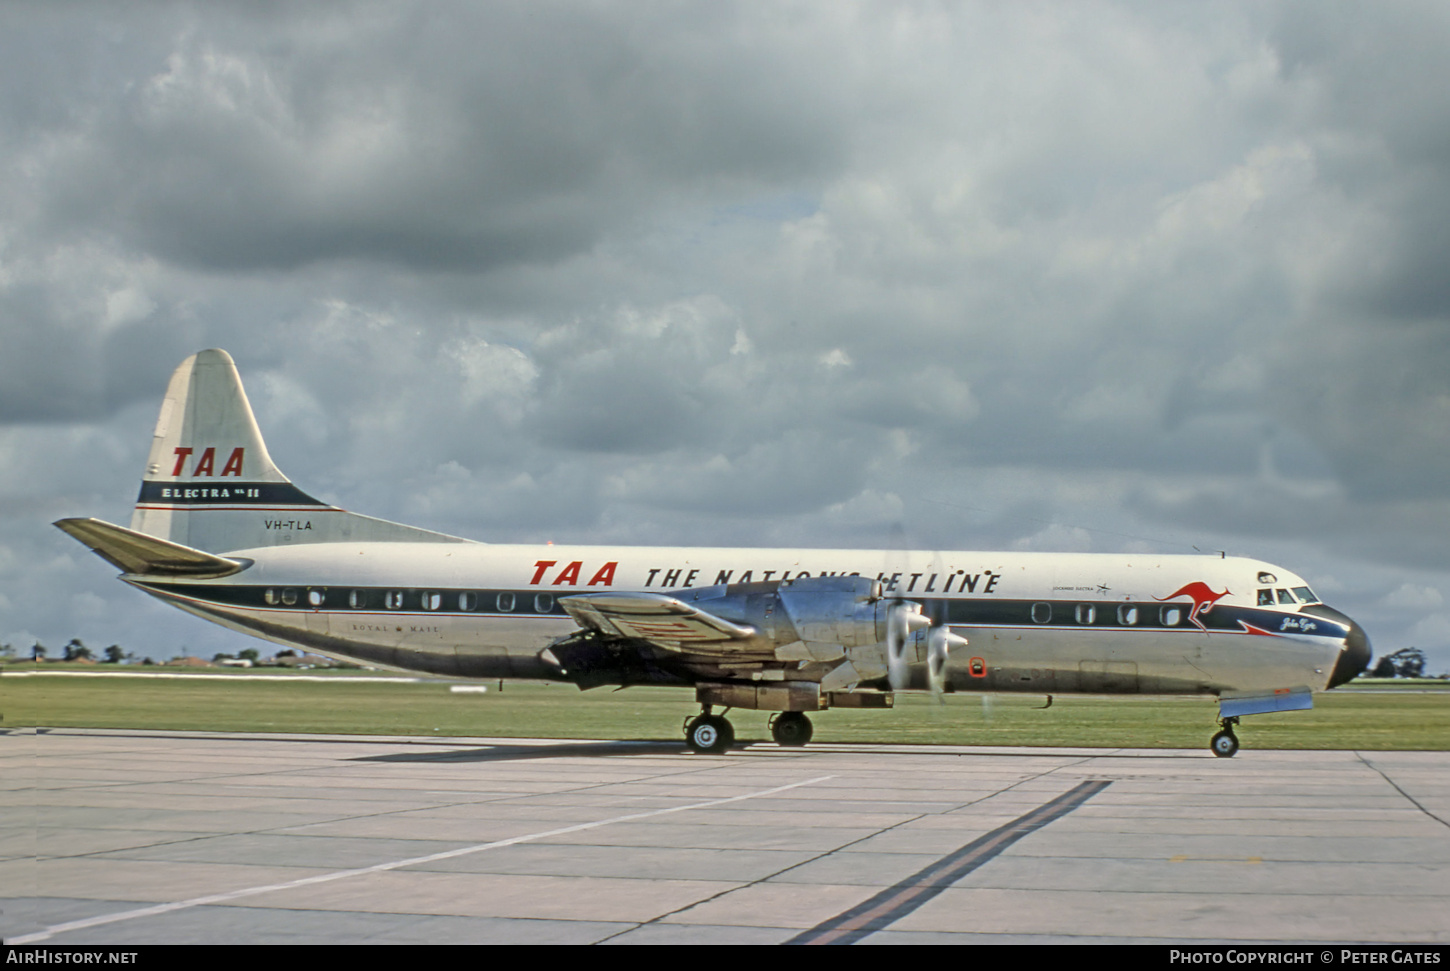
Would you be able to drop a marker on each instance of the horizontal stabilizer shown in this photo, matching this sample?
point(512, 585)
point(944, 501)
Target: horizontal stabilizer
point(652, 617)
point(133, 552)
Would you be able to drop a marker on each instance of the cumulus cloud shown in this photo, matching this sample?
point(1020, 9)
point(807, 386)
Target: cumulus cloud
point(1071, 276)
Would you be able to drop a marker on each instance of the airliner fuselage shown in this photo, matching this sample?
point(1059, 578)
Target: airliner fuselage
point(220, 532)
point(1041, 622)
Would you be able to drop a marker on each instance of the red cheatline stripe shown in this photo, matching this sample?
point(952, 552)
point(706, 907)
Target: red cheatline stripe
point(222, 507)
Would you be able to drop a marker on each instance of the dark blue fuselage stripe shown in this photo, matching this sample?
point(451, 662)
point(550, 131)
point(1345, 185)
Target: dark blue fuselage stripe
point(966, 612)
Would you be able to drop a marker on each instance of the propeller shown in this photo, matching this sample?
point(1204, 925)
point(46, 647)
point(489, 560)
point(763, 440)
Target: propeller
point(903, 617)
point(939, 643)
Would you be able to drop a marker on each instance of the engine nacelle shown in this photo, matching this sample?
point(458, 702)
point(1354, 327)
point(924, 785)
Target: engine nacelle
point(841, 610)
point(835, 610)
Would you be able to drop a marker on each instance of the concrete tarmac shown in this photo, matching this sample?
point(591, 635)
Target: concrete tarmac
point(116, 837)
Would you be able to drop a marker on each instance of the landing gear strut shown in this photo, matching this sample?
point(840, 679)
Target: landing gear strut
point(1225, 743)
point(791, 729)
point(709, 733)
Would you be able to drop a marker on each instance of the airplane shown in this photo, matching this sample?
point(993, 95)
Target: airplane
point(220, 532)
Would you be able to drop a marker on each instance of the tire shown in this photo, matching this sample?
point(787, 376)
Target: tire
point(709, 733)
point(1224, 744)
point(791, 729)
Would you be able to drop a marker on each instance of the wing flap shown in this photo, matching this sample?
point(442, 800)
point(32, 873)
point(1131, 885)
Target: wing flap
point(652, 617)
point(133, 552)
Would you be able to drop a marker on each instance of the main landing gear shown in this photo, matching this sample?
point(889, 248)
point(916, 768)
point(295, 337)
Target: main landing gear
point(1225, 743)
point(709, 733)
point(790, 729)
point(712, 733)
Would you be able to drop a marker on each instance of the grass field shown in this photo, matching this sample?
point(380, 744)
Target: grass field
point(1364, 716)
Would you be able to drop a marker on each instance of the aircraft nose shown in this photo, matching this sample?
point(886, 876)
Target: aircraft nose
point(1353, 658)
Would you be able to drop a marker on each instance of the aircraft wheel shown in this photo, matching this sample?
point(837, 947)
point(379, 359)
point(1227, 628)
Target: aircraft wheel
point(1224, 744)
point(709, 733)
point(791, 729)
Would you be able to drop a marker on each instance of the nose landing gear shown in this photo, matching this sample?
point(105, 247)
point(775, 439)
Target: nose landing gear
point(1225, 743)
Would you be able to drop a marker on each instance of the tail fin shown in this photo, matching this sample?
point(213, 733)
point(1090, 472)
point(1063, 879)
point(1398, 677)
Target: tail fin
point(211, 485)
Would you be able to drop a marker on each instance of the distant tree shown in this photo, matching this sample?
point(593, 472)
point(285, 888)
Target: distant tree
point(114, 654)
point(7, 650)
point(77, 651)
point(218, 658)
point(249, 654)
point(1408, 662)
point(38, 652)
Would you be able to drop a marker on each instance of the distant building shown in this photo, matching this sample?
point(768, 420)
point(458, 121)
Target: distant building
point(291, 659)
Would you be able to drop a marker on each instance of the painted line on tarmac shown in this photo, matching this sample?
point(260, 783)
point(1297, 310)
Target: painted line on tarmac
point(894, 903)
point(221, 898)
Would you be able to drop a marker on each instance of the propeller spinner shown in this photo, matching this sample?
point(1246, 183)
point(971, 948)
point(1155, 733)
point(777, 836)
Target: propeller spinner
point(939, 643)
point(903, 617)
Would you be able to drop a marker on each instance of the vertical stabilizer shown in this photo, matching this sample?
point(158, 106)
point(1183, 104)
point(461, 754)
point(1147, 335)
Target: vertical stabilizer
point(211, 485)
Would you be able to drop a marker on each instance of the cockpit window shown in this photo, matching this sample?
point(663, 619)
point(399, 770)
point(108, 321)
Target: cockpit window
point(1266, 598)
point(1285, 597)
point(1305, 595)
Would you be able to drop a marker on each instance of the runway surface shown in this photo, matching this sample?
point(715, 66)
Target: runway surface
point(151, 837)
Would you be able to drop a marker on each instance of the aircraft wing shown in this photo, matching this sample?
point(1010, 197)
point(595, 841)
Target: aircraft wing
point(653, 617)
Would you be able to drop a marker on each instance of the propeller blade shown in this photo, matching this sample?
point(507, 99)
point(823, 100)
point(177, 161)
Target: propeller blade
point(939, 644)
point(902, 617)
point(896, 634)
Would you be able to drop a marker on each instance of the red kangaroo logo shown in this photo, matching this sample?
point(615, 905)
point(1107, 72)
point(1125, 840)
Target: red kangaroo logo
point(1203, 600)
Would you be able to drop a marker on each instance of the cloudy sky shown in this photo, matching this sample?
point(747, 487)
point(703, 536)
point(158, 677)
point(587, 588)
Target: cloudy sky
point(1078, 276)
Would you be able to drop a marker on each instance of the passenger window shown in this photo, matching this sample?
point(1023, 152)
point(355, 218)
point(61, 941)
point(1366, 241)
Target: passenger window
point(1266, 598)
point(543, 603)
point(505, 602)
point(1128, 615)
point(1085, 613)
point(357, 599)
point(270, 596)
point(1041, 613)
point(1285, 597)
point(315, 597)
point(393, 599)
point(468, 601)
point(432, 600)
point(289, 596)
point(1171, 616)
